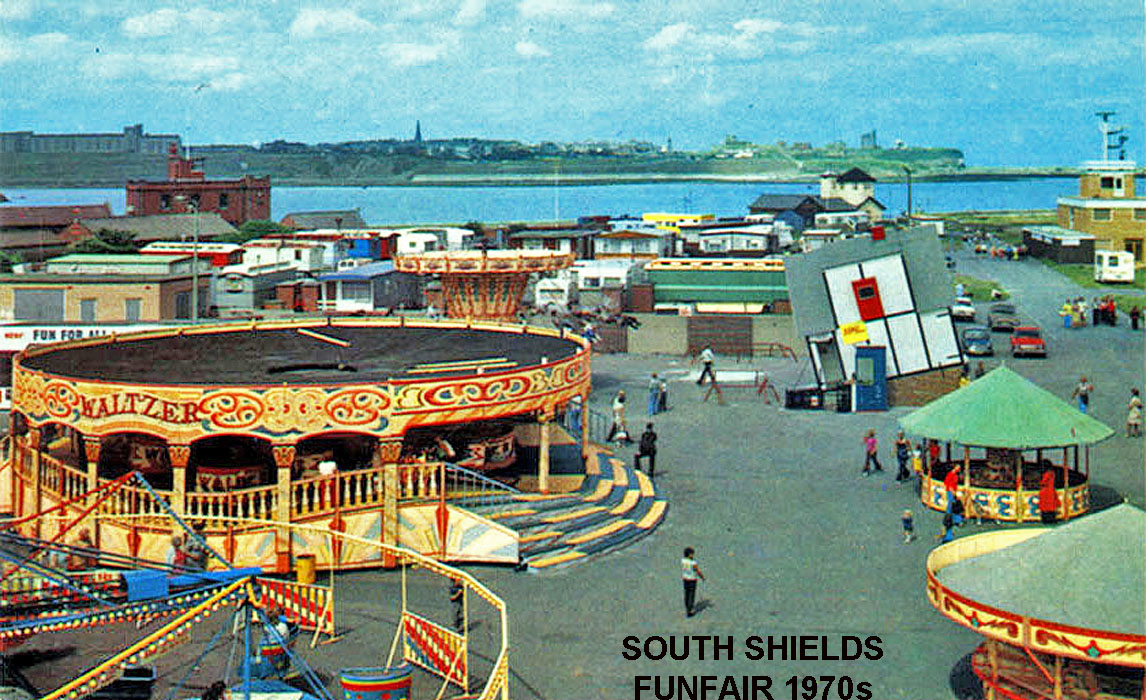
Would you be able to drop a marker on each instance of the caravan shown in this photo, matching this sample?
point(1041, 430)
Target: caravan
point(1113, 266)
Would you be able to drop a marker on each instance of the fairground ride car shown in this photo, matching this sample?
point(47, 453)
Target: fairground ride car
point(1028, 340)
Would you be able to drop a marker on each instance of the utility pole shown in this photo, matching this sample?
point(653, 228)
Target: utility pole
point(908, 171)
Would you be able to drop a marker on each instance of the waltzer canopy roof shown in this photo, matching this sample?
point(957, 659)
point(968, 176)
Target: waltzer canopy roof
point(1087, 573)
point(1003, 409)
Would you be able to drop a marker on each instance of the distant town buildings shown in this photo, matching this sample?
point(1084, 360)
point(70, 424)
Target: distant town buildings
point(131, 140)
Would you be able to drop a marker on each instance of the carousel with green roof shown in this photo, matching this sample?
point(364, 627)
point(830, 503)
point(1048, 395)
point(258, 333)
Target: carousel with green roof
point(1003, 432)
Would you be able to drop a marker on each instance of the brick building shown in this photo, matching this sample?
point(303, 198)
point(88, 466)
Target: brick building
point(187, 189)
point(1108, 208)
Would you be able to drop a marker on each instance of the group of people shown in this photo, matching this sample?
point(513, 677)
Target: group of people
point(188, 553)
point(1102, 311)
point(619, 429)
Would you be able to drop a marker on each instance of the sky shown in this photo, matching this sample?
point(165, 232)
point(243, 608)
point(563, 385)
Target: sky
point(1010, 82)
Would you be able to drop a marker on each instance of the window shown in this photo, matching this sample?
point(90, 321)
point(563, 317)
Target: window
point(164, 201)
point(1140, 214)
point(224, 200)
point(1106, 182)
point(591, 282)
point(357, 291)
point(298, 255)
point(1134, 245)
point(132, 309)
point(1101, 215)
point(87, 310)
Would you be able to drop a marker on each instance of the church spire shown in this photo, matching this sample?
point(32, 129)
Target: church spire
point(418, 131)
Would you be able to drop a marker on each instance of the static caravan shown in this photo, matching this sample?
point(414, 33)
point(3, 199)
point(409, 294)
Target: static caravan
point(1113, 266)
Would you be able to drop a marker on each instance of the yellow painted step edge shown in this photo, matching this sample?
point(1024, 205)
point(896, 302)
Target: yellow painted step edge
point(646, 484)
point(573, 515)
point(538, 536)
point(601, 531)
point(627, 503)
point(511, 513)
point(656, 512)
point(555, 560)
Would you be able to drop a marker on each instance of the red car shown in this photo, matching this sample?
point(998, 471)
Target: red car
point(1028, 340)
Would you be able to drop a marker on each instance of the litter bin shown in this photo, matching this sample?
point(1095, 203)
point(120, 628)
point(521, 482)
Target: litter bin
point(376, 683)
point(304, 568)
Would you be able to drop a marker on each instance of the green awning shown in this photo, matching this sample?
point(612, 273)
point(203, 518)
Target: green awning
point(1003, 409)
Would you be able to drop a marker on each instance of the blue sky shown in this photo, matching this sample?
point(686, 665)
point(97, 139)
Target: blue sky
point(1010, 82)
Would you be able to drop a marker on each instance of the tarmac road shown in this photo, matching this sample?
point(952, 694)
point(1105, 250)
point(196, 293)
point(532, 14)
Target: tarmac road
point(792, 539)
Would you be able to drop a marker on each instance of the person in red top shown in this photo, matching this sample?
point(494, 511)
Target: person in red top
point(932, 454)
point(951, 485)
point(1048, 498)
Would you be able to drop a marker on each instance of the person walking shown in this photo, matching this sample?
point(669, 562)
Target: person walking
point(654, 394)
point(1134, 415)
point(1048, 498)
point(908, 521)
point(662, 396)
point(457, 601)
point(871, 453)
point(1135, 314)
point(647, 448)
point(951, 486)
point(902, 454)
point(707, 358)
point(619, 430)
point(1082, 393)
point(690, 573)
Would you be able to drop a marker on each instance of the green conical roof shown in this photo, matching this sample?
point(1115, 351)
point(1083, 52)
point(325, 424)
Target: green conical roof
point(1002, 409)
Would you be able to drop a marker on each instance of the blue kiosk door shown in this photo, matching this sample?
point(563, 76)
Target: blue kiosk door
point(871, 378)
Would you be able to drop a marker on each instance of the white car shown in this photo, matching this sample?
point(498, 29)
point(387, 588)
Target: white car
point(963, 309)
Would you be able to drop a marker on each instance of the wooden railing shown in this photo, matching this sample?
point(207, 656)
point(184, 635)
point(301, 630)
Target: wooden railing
point(61, 479)
point(132, 500)
point(324, 494)
point(257, 503)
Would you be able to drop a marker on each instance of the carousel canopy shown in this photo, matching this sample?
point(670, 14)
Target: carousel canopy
point(1002, 409)
point(1087, 573)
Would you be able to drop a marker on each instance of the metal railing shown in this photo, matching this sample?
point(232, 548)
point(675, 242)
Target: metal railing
point(476, 488)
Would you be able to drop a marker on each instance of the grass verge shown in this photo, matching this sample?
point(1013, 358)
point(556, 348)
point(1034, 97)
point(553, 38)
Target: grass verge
point(980, 289)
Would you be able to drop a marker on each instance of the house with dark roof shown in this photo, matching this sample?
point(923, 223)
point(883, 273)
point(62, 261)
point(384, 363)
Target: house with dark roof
point(795, 210)
point(856, 188)
point(206, 225)
point(34, 233)
point(372, 287)
point(313, 220)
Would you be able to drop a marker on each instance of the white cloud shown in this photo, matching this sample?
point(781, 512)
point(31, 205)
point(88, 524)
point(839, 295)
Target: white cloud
point(406, 55)
point(668, 37)
point(167, 21)
point(230, 82)
point(312, 22)
point(163, 67)
point(16, 9)
point(565, 8)
point(471, 12)
point(528, 49)
point(747, 37)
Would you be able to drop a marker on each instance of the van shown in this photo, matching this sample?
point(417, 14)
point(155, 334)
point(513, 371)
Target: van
point(1113, 266)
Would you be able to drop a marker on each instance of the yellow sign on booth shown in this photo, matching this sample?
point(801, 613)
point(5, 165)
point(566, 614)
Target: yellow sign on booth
point(855, 332)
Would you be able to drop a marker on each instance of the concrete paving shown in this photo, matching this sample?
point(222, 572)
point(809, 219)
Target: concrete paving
point(792, 539)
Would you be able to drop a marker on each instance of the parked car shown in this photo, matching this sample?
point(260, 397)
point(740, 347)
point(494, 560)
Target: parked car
point(977, 341)
point(1002, 317)
point(963, 309)
point(1028, 340)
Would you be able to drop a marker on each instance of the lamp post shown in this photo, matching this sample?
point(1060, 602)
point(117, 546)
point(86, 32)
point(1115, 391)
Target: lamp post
point(193, 204)
point(908, 171)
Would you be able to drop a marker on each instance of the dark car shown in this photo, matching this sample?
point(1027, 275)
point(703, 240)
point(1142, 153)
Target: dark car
point(1002, 317)
point(977, 341)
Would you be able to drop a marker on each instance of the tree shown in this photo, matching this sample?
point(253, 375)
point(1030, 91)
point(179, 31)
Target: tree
point(9, 259)
point(107, 241)
point(250, 230)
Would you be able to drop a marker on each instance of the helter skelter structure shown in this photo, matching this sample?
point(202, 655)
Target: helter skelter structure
point(482, 284)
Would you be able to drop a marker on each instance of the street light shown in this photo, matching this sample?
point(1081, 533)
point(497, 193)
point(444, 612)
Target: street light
point(193, 204)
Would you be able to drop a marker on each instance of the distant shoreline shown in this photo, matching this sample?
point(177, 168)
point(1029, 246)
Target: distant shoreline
point(590, 180)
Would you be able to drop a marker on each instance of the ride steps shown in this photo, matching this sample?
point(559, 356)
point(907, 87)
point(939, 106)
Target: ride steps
point(615, 506)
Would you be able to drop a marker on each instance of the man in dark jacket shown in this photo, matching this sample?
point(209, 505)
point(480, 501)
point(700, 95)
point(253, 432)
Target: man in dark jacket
point(647, 448)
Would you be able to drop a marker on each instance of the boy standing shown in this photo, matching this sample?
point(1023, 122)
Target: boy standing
point(908, 526)
point(690, 573)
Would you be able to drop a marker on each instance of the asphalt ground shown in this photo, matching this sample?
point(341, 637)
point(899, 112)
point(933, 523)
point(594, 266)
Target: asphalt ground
point(792, 540)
